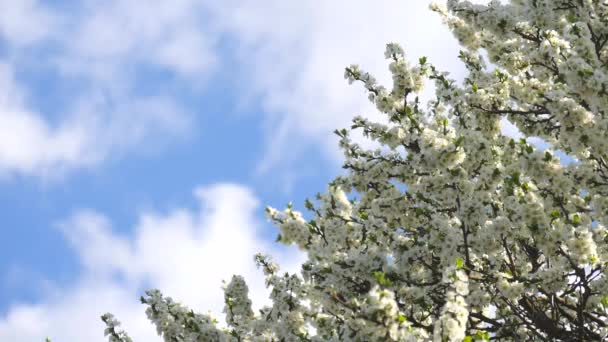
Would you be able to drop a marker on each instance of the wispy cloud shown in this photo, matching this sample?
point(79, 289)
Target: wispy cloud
point(294, 54)
point(25, 22)
point(96, 51)
point(290, 55)
point(184, 252)
point(93, 129)
point(106, 39)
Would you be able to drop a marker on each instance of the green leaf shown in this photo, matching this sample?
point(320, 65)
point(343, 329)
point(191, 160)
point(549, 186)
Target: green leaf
point(482, 335)
point(501, 76)
point(515, 178)
point(422, 60)
point(341, 133)
point(459, 263)
point(401, 318)
point(308, 204)
point(459, 141)
point(474, 87)
point(382, 279)
point(555, 214)
point(467, 339)
point(604, 301)
point(534, 227)
point(408, 111)
point(585, 72)
point(576, 220)
point(502, 24)
point(325, 270)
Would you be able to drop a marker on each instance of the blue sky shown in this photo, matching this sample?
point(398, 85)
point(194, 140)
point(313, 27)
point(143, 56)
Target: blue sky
point(140, 141)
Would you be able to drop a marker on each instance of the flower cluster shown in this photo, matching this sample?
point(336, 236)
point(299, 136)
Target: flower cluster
point(452, 322)
point(110, 331)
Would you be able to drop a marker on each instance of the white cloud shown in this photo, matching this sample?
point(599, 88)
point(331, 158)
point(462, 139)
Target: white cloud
point(185, 253)
point(290, 55)
point(296, 53)
point(107, 38)
point(86, 134)
point(24, 22)
point(97, 50)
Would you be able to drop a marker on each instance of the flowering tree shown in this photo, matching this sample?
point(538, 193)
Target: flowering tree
point(453, 231)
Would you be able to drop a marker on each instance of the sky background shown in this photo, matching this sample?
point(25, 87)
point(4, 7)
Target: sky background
point(140, 141)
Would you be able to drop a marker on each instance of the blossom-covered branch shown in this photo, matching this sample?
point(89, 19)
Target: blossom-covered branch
point(454, 231)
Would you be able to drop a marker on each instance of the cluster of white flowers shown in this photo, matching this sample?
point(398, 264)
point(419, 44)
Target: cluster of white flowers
point(110, 331)
point(383, 320)
point(468, 234)
point(174, 321)
point(293, 226)
point(511, 289)
point(452, 322)
point(238, 305)
point(583, 247)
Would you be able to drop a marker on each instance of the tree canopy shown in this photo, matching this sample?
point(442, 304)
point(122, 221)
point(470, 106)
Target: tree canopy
point(452, 231)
